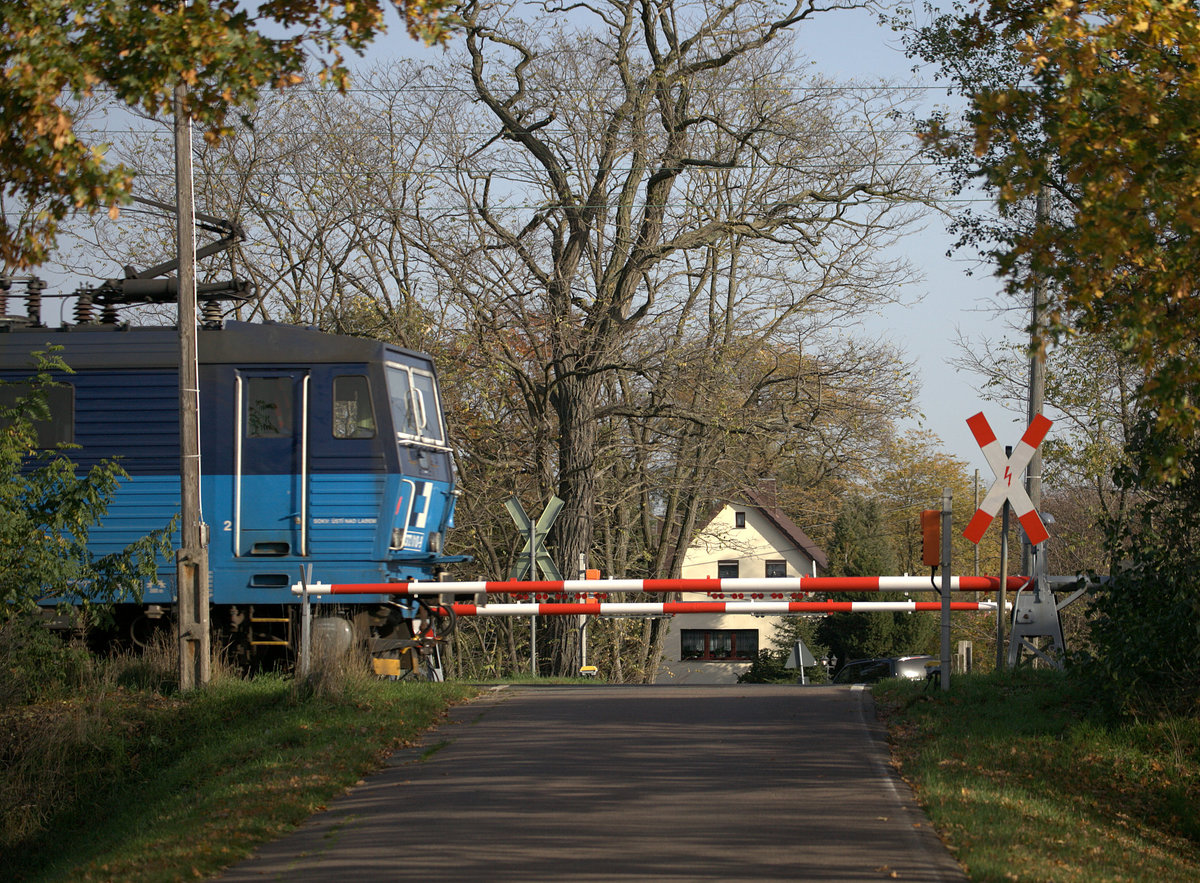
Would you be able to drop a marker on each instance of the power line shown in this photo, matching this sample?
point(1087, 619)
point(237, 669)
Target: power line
point(108, 94)
point(389, 215)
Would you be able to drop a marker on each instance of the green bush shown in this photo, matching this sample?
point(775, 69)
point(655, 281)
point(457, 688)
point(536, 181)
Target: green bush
point(37, 664)
point(860, 547)
point(767, 668)
point(1145, 627)
point(48, 508)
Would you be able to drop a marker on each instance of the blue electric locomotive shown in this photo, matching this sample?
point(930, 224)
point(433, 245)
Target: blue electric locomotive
point(317, 449)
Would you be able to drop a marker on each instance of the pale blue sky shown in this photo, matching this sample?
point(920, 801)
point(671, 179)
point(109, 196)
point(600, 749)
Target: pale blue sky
point(852, 45)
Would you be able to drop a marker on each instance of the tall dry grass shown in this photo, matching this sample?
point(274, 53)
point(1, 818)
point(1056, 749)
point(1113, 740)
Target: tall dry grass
point(73, 723)
point(59, 705)
point(336, 668)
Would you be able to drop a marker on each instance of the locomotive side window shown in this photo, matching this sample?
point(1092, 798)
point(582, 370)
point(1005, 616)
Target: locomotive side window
point(404, 411)
point(268, 407)
point(353, 416)
point(59, 428)
point(430, 409)
point(415, 407)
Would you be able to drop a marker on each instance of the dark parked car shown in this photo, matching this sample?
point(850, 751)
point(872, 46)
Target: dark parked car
point(868, 671)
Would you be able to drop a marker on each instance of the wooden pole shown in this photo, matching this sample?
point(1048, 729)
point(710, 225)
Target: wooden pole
point(191, 560)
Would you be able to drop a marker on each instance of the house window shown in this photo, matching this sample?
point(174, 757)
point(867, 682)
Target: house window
point(776, 569)
point(718, 645)
point(739, 519)
point(727, 570)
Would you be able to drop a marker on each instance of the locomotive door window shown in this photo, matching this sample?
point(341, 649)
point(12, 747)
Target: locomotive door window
point(353, 416)
point(269, 407)
point(271, 481)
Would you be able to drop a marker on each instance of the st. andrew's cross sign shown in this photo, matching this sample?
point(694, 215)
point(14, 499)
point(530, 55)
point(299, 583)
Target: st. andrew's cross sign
point(1006, 469)
point(534, 556)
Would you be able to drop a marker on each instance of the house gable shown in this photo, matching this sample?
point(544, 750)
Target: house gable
point(759, 541)
point(752, 535)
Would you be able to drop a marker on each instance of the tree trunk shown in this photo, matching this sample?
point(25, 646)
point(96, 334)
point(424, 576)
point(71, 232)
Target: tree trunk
point(575, 401)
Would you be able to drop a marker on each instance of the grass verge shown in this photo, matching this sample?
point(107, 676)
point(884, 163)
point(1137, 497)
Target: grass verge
point(1025, 782)
point(166, 787)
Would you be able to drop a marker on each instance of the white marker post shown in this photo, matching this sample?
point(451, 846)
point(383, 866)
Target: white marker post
point(944, 675)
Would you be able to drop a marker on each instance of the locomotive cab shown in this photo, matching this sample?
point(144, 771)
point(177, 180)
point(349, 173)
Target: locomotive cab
point(319, 452)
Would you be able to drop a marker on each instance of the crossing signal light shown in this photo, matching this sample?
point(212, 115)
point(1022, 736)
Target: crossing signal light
point(931, 530)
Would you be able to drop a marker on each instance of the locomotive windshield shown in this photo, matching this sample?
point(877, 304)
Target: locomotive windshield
point(415, 407)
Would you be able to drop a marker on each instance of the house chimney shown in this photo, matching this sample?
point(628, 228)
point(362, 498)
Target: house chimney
point(769, 492)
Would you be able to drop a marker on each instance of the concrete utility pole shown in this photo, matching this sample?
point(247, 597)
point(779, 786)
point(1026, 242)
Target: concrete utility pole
point(1002, 595)
point(191, 560)
point(1037, 389)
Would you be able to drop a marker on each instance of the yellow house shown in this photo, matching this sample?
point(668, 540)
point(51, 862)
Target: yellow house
point(748, 538)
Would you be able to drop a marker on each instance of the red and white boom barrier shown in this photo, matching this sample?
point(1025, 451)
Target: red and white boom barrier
point(770, 608)
point(774, 588)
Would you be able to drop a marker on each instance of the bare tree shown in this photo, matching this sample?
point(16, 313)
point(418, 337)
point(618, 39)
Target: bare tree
point(318, 180)
point(615, 174)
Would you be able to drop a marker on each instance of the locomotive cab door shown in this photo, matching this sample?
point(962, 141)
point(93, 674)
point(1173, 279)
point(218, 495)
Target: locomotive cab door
point(270, 495)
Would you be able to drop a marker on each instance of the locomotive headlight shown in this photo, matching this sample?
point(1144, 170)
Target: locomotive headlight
point(435, 542)
point(397, 538)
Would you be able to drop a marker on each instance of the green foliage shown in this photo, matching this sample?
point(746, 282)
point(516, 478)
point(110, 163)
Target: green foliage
point(1145, 626)
point(867, 635)
point(790, 630)
point(54, 52)
point(768, 668)
point(1091, 106)
point(861, 545)
point(47, 510)
point(799, 628)
point(35, 663)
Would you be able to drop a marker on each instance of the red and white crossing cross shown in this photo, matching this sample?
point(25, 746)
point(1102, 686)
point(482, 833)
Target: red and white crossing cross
point(1006, 469)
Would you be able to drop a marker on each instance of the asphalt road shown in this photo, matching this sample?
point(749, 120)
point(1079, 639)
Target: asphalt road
point(671, 783)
